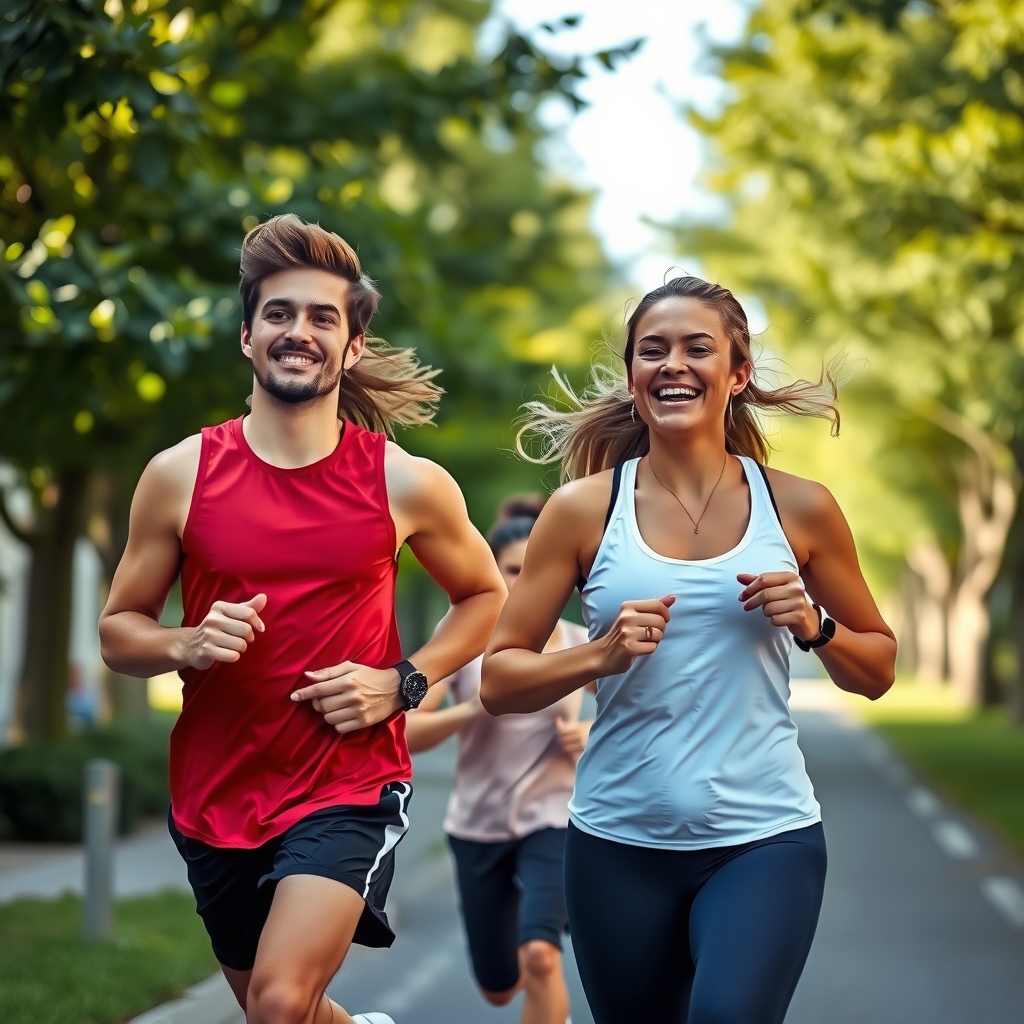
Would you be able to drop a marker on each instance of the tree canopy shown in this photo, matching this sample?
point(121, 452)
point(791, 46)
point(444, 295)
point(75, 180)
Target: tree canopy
point(871, 158)
point(138, 142)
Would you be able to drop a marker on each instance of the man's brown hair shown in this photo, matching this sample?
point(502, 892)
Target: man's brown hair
point(388, 386)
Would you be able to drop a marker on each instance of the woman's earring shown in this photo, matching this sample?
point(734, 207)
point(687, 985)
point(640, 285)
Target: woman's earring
point(728, 413)
point(632, 412)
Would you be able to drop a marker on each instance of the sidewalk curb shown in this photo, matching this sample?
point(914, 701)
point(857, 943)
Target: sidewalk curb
point(209, 1002)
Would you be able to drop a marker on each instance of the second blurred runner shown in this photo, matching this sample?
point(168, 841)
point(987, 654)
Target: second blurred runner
point(508, 811)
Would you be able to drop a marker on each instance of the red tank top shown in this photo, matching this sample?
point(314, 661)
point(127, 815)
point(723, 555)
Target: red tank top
point(247, 762)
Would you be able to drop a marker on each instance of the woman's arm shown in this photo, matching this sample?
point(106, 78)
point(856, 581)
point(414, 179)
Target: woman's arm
point(861, 658)
point(516, 677)
point(430, 724)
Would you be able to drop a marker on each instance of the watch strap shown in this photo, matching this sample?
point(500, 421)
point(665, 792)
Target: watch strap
point(405, 668)
point(412, 684)
point(826, 630)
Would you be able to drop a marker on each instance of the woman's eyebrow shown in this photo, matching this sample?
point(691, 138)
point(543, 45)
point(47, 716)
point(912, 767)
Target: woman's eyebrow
point(686, 337)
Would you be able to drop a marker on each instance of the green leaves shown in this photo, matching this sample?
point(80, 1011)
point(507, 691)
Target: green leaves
point(872, 159)
point(139, 142)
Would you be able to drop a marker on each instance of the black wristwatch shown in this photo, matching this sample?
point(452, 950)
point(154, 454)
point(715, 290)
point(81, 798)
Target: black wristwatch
point(413, 685)
point(826, 630)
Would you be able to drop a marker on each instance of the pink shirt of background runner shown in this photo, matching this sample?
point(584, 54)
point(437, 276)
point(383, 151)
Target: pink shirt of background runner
point(512, 776)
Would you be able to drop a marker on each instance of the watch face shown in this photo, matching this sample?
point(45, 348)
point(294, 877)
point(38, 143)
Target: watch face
point(414, 689)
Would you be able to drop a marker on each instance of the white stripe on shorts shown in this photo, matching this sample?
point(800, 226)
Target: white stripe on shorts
point(392, 833)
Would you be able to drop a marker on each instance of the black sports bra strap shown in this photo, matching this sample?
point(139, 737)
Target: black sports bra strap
point(771, 494)
point(616, 484)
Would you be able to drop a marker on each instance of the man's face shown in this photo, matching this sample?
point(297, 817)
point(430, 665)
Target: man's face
point(299, 334)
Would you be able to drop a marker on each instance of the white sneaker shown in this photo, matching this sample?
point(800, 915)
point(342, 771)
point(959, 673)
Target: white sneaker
point(372, 1018)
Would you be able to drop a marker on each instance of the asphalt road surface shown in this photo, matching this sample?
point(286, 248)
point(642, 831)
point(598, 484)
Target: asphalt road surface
point(923, 919)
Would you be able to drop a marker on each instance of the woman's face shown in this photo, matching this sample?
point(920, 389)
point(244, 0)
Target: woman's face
point(681, 373)
point(510, 561)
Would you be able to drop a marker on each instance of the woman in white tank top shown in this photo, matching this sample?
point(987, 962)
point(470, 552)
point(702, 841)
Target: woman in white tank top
point(508, 812)
point(695, 857)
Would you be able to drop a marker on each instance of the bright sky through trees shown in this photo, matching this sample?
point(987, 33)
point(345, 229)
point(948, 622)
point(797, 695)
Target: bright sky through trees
point(631, 143)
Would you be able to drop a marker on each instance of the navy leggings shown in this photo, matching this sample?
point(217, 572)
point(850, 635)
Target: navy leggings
point(716, 936)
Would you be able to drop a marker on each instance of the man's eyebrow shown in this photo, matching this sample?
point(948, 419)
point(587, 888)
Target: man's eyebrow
point(316, 307)
point(324, 307)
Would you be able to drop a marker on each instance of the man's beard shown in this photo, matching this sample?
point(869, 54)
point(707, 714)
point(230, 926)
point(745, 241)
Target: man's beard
point(294, 392)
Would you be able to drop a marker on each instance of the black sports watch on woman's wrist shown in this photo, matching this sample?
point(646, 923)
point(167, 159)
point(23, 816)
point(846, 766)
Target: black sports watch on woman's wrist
point(412, 686)
point(826, 630)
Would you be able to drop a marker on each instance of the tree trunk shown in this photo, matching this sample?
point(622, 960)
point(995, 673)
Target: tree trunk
point(1013, 568)
point(1017, 628)
point(44, 677)
point(987, 503)
point(930, 600)
point(108, 530)
point(898, 611)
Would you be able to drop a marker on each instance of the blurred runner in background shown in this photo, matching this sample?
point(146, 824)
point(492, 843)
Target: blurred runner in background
point(290, 774)
point(695, 857)
point(508, 810)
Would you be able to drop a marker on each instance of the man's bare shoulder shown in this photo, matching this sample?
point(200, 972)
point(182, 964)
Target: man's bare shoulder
point(412, 475)
point(171, 475)
point(420, 489)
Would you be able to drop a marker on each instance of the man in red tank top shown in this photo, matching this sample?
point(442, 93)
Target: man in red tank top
point(290, 774)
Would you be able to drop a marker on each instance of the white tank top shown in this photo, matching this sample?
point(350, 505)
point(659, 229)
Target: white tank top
point(694, 745)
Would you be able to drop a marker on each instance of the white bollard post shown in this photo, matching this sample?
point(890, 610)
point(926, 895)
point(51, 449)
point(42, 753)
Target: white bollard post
point(99, 827)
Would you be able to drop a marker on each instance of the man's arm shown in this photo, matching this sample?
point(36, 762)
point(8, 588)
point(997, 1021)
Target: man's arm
point(132, 641)
point(430, 515)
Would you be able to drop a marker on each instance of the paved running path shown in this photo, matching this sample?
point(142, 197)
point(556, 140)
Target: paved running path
point(923, 921)
point(917, 926)
point(144, 863)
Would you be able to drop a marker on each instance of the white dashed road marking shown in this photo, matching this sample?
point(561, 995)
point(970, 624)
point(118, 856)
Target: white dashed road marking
point(1007, 897)
point(955, 840)
point(923, 802)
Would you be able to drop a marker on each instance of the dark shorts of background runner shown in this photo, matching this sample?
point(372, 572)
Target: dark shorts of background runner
point(713, 936)
point(352, 844)
point(511, 893)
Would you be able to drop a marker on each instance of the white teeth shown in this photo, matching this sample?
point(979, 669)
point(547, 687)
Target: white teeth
point(677, 392)
point(291, 359)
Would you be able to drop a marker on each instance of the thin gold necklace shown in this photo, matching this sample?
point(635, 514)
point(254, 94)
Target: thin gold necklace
point(696, 522)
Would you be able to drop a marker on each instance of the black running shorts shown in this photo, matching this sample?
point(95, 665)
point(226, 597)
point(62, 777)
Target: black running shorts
point(354, 845)
point(510, 893)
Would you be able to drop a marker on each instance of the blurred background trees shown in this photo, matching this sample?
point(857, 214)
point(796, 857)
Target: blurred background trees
point(868, 163)
point(870, 160)
point(138, 143)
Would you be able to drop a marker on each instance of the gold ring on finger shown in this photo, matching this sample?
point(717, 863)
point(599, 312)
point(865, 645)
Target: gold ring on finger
point(650, 635)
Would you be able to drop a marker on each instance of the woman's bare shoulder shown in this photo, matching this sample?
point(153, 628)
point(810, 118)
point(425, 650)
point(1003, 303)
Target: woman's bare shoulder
point(800, 498)
point(586, 497)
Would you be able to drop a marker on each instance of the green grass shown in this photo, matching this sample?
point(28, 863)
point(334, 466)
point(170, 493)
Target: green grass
point(977, 763)
point(974, 759)
point(49, 974)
